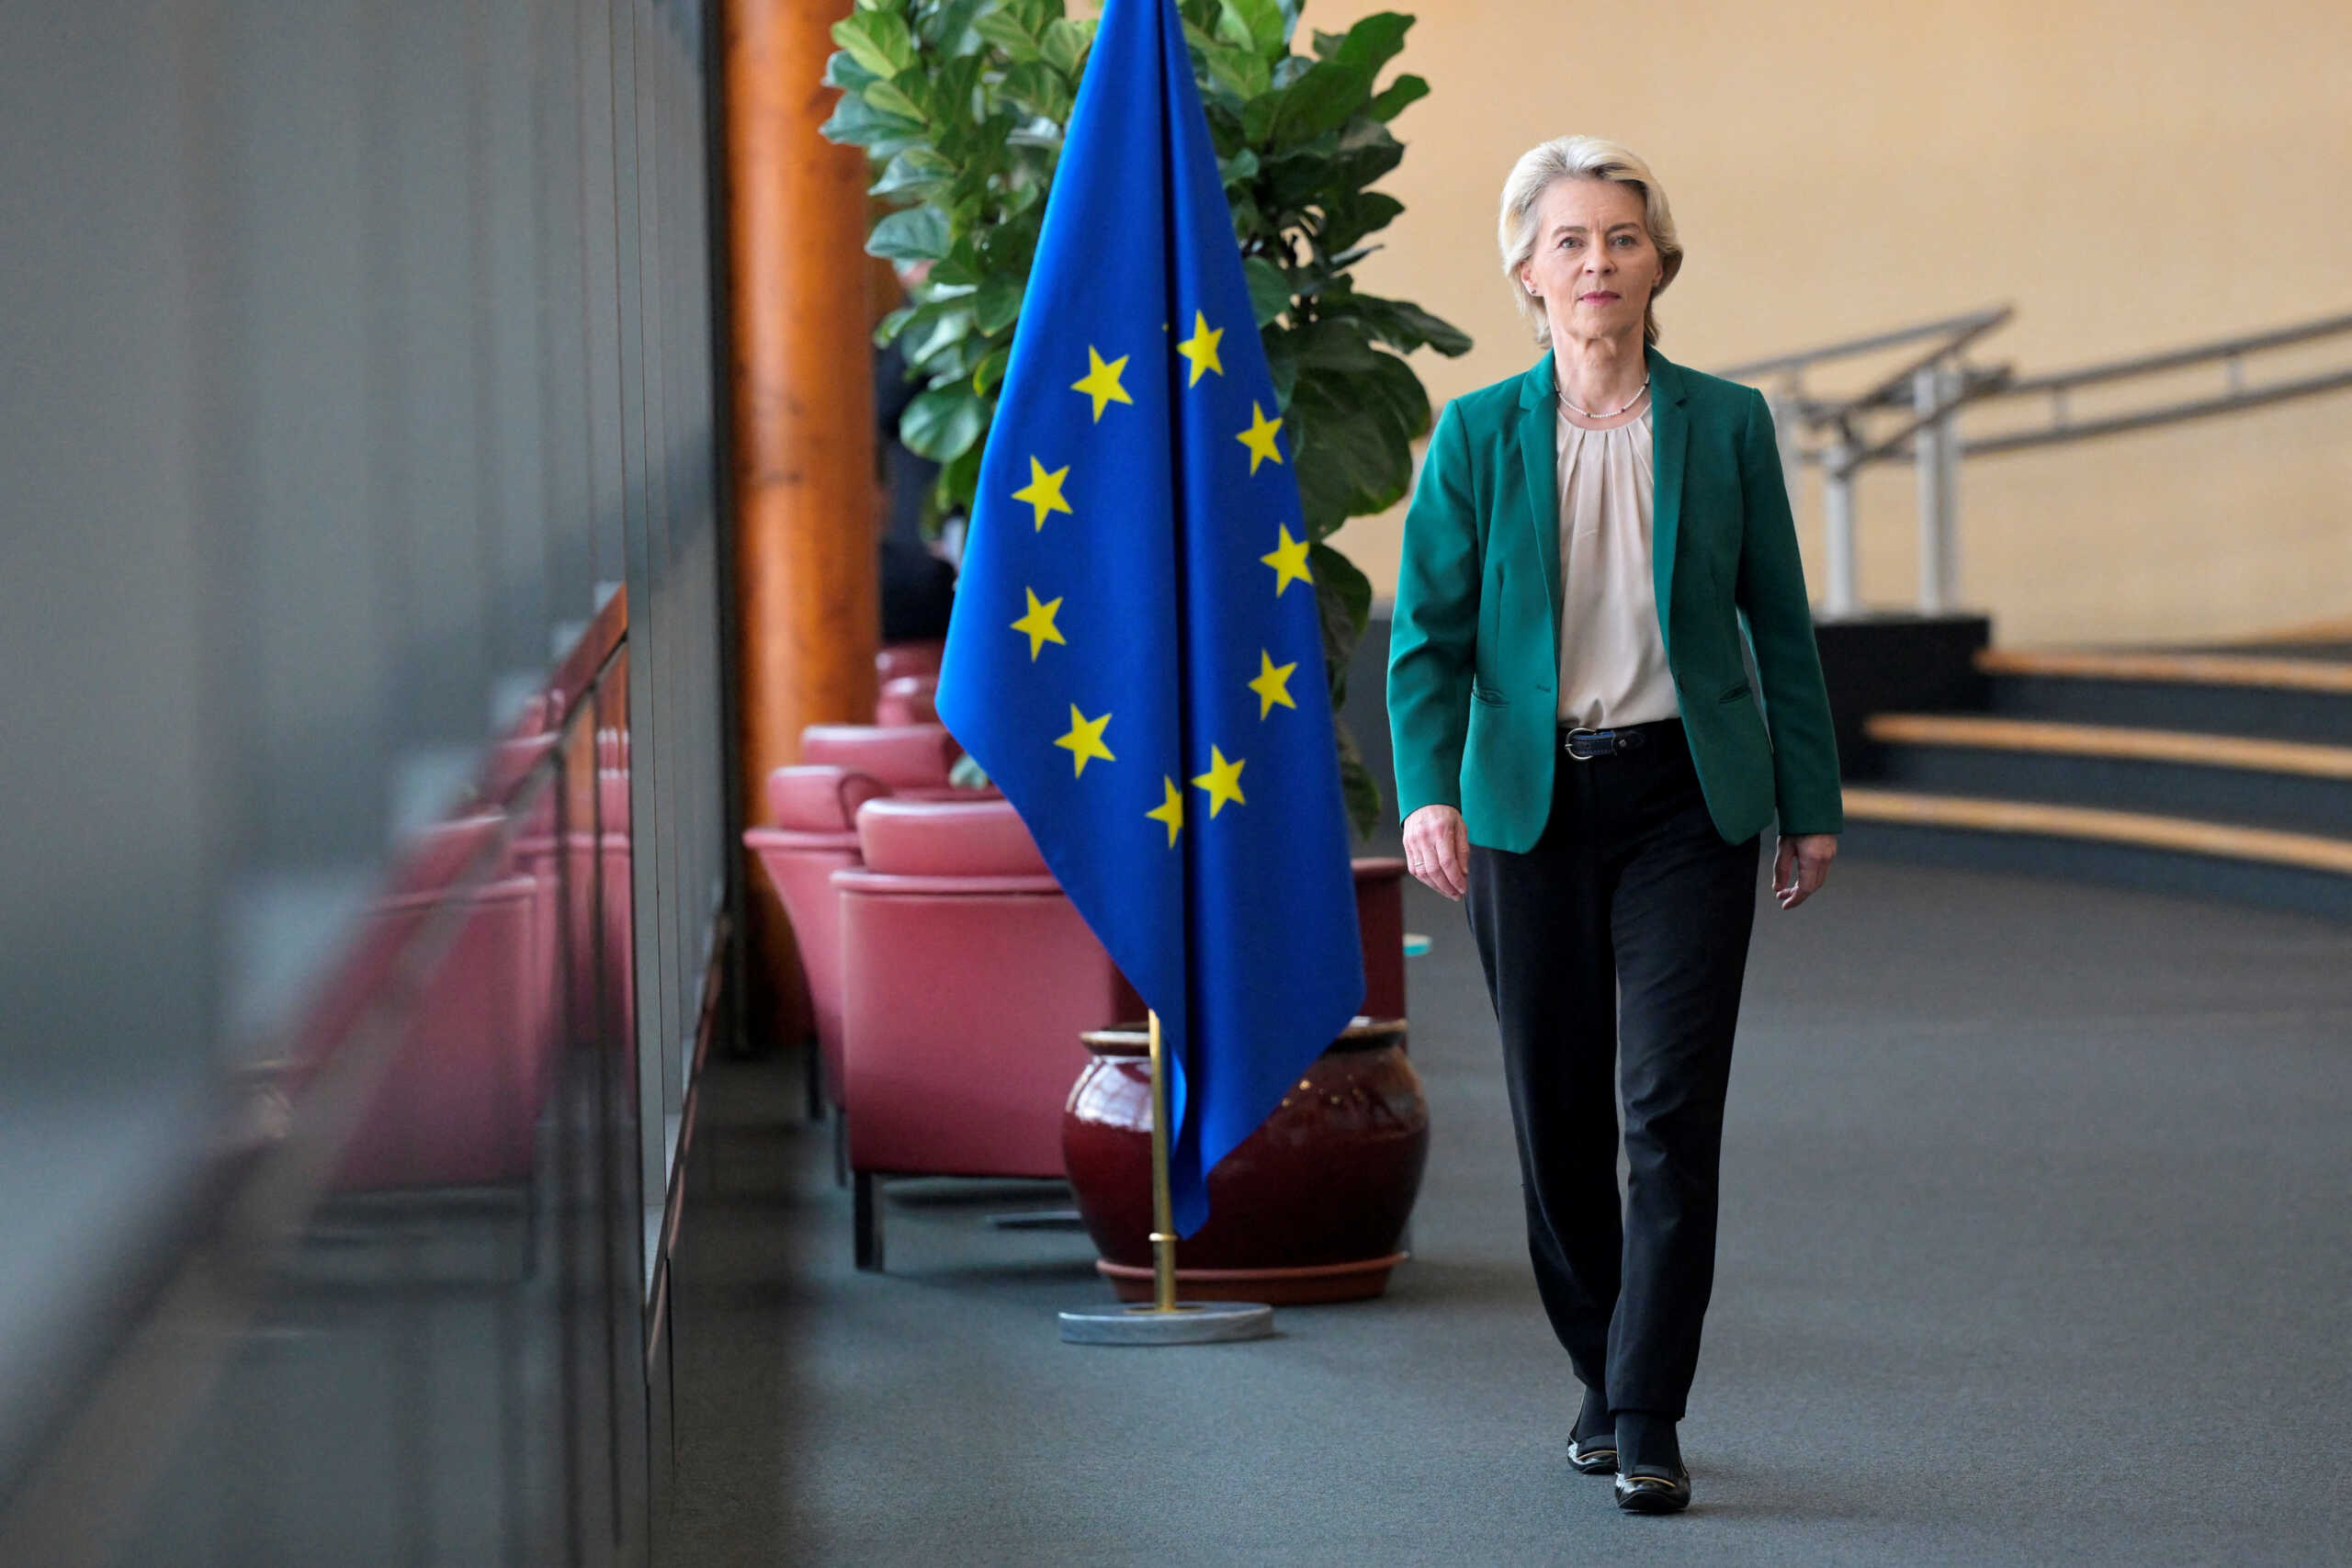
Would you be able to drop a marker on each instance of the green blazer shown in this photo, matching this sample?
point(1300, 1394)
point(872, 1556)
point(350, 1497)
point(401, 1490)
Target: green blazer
point(1473, 649)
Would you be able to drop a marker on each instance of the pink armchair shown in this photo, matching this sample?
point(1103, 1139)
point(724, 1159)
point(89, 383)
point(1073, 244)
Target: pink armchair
point(967, 976)
point(908, 699)
point(919, 658)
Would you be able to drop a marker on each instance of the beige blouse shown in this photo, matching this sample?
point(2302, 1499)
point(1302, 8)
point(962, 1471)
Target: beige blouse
point(1612, 657)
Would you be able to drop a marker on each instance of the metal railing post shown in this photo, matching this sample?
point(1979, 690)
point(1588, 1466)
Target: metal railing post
point(1837, 522)
point(1949, 452)
point(1787, 434)
point(1929, 449)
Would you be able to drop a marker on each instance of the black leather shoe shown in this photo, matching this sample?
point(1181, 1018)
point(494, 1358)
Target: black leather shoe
point(1595, 1455)
point(1654, 1493)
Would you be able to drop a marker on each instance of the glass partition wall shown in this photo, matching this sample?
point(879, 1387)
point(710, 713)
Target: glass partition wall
point(366, 767)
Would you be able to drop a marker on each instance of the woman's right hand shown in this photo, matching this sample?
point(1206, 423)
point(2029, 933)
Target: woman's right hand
point(1437, 849)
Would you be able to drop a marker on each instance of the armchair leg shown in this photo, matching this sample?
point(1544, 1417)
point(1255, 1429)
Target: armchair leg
point(841, 1146)
point(816, 1076)
point(868, 1206)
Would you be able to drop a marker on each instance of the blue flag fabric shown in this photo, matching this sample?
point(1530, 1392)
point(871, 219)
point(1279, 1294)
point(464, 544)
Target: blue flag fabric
point(1135, 656)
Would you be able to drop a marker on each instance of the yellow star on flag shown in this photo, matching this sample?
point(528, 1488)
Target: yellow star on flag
point(1085, 740)
point(1039, 623)
point(1102, 383)
point(1044, 490)
point(1201, 348)
point(1171, 811)
point(1289, 561)
point(1260, 437)
point(1223, 780)
point(1273, 684)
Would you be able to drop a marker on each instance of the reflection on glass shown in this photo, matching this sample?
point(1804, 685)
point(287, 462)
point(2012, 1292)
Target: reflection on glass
point(433, 1364)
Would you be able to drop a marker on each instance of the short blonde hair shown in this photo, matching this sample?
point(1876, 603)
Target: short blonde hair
point(1579, 158)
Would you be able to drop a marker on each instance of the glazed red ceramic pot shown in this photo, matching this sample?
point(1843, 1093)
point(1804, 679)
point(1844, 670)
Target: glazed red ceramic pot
point(1310, 1208)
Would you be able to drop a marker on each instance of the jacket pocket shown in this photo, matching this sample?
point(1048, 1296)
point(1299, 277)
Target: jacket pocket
point(1742, 690)
point(1482, 693)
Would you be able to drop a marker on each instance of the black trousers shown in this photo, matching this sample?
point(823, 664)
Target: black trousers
point(1630, 893)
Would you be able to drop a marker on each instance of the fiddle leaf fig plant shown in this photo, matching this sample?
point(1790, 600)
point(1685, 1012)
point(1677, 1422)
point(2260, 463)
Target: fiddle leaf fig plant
point(961, 105)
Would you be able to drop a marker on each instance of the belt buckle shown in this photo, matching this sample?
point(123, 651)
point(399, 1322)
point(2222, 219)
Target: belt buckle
point(1574, 734)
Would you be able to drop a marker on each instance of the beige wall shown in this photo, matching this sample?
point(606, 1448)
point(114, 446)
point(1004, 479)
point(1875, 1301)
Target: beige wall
point(2132, 176)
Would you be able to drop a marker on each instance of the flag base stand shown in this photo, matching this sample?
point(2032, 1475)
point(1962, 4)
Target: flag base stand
point(1192, 1322)
point(1166, 1321)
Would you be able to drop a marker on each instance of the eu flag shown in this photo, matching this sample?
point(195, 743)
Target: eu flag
point(1136, 657)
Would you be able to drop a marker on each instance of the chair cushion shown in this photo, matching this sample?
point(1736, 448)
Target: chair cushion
point(940, 838)
point(816, 797)
point(900, 755)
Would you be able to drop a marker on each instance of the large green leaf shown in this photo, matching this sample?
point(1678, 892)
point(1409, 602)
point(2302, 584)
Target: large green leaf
point(935, 329)
point(1394, 98)
point(1238, 70)
point(1005, 30)
point(877, 40)
point(919, 233)
point(1358, 789)
point(893, 99)
point(917, 172)
point(1343, 599)
point(1363, 152)
point(949, 27)
point(1405, 326)
point(1282, 363)
point(843, 70)
point(1347, 220)
point(960, 480)
point(997, 303)
point(989, 374)
point(1256, 25)
point(857, 122)
point(1373, 42)
point(1391, 385)
point(1063, 44)
point(1258, 114)
point(1335, 344)
point(1041, 88)
point(1354, 456)
point(1323, 99)
point(892, 324)
point(944, 423)
point(1268, 291)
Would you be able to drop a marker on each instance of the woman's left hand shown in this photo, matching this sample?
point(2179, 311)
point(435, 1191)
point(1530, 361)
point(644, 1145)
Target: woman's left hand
point(1803, 866)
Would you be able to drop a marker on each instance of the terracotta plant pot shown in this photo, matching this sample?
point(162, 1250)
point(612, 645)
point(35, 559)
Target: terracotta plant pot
point(1310, 1208)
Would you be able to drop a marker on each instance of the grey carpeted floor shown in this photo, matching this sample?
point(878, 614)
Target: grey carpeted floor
point(2036, 1248)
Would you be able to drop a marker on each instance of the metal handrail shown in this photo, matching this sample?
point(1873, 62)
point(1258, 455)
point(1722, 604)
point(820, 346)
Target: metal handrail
point(1971, 323)
point(1934, 386)
point(2174, 358)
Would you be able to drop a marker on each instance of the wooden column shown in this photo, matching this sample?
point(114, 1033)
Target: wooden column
point(803, 385)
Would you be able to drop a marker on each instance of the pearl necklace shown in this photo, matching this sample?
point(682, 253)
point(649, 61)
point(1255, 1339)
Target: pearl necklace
point(1613, 413)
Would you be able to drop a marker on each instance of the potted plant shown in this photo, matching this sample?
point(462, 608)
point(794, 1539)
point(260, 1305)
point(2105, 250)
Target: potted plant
point(961, 105)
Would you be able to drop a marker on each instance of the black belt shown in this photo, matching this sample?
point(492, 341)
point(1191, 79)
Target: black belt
point(1583, 745)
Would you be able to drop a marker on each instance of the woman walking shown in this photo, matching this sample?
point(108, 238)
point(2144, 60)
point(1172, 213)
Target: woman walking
point(1582, 754)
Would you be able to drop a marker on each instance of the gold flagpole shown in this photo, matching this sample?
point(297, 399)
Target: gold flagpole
point(1164, 1322)
point(1163, 1219)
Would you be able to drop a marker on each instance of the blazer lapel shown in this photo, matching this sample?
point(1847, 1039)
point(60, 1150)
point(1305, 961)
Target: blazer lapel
point(1539, 454)
point(1669, 440)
